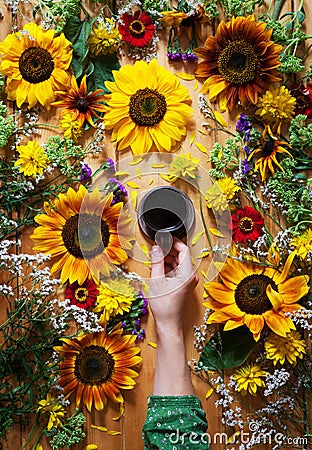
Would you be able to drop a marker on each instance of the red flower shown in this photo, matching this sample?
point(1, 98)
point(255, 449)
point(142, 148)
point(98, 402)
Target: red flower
point(246, 224)
point(82, 295)
point(303, 95)
point(137, 29)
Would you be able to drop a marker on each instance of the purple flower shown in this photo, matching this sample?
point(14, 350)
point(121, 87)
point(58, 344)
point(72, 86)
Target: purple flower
point(192, 58)
point(175, 57)
point(246, 166)
point(243, 125)
point(246, 148)
point(111, 164)
point(119, 190)
point(86, 172)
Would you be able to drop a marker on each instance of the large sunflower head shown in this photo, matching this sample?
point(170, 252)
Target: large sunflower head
point(148, 108)
point(239, 62)
point(252, 295)
point(35, 63)
point(97, 366)
point(84, 234)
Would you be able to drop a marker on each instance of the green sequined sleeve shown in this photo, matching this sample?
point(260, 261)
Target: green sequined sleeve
point(175, 423)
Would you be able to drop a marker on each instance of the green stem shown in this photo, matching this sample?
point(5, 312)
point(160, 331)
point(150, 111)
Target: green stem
point(277, 9)
point(202, 215)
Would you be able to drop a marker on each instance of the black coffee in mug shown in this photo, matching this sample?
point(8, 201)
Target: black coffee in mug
point(165, 209)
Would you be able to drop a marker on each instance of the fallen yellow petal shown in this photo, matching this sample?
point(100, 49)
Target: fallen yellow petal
point(231, 439)
point(164, 177)
point(192, 137)
point(158, 166)
point(209, 392)
point(132, 184)
point(151, 181)
point(136, 161)
point(196, 85)
point(201, 147)
point(98, 427)
point(216, 232)
point(185, 76)
point(114, 433)
point(138, 171)
point(134, 197)
point(39, 447)
point(202, 132)
point(197, 237)
point(90, 447)
point(145, 250)
point(203, 273)
point(153, 344)
point(120, 173)
point(203, 254)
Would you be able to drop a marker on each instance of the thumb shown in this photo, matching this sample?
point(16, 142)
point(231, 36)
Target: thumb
point(157, 259)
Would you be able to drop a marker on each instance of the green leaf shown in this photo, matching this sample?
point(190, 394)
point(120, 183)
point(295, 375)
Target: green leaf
point(300, 16)
point(77, 32)
point(228, 349)
point(103, 67)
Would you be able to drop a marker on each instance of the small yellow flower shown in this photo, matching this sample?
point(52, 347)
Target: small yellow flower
point(183, 165)
point(276, 105)
point(114, 297)
point(57, 412)
point(279, 348)
point(218, 195)
point(104, 38)
point(32, 160)
point(249, 378)
point(70, 127)
point(303, 243)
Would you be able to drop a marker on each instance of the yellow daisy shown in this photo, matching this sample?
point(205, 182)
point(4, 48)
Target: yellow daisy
point(280, 348)
point(115, 297)
point(249, 378)
point(303, 243)
point(35, 63)
point(219, 194)
point(183, 165)
point(276, 105)
point(148, 108)
point(70, 126)
point(253, 296)
point(32, 160)
point(97, 366)
point(56, 411)
point(84, 234)
point(104, 37)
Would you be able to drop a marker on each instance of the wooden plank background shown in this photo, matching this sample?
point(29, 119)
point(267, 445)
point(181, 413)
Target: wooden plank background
point(135, 401)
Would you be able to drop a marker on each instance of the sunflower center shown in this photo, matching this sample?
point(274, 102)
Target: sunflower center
point(85, 235)
point(268, 148)
point(250, 294)
point(36, 65)
point(94, 365)
point(246, 224)
point(137, 28)
point(238, 62)
point(82, 105)
point(81, 294)
point(147, 107)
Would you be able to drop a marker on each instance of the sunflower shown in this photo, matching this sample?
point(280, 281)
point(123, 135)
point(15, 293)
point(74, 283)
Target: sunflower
point(115, 297)
point(280, 348)
point(149, 108)
point(239, 62)
point(252, 295)
point(85, 234)
point(70, 126)
point(246, 224)
point(104, 38)
point(32, 160)
point(76, 99)
point(249, 378)
point(35, 64)
point(97, 366)
point(137, 29)
point(82, 295)
point(268, 153)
